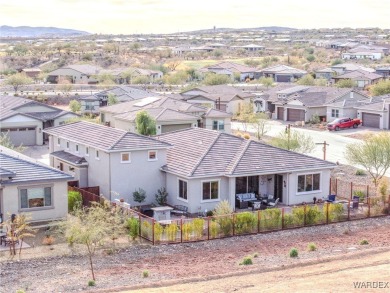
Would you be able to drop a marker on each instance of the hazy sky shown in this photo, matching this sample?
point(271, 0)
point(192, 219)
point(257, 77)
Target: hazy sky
point(170, 16)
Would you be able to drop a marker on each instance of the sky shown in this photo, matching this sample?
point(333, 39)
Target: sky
point(172, 16)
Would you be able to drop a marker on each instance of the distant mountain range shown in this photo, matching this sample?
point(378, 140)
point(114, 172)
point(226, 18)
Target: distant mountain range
point(29, 32)
point(276, 29)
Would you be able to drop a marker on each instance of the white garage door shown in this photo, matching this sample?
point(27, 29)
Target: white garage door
point(21, 136)
point(371, 120)
point(173, 127)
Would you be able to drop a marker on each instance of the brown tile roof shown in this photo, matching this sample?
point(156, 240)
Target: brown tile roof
point(103, 137)
point(199, 152)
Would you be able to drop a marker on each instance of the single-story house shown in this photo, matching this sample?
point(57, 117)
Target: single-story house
point(383, 70)
point(24, 119)
point(362, 78)
point(78, 74)
point(205, 167)
point(231, 69)
point(349, 67)
point(30, 187)
point(32, 72)
point(325, 73)
point(281, 73)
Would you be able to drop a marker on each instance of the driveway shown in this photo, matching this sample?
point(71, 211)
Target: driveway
point(337, 141)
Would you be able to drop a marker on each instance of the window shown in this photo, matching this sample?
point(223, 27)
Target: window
point(35, 197)
point(58, 141)
point(102, 118)
point(67, 145)
point(210, 190)
point(152, 155)
point(218, 125)
point(183, 189)
point(309, 182)
point(87, 151)
point(335, 113)
point(247, 184)
point(97, 155)
point(77, 148)
point(125, 158)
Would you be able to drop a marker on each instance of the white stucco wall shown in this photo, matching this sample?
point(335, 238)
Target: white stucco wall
point(208, 124)
point(23, 121)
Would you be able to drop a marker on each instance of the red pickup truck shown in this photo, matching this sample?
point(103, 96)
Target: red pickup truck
point(339, 123)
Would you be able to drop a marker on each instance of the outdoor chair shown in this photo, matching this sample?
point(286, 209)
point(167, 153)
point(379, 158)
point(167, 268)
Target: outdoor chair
point(331, 198)
point(355, 203)
point(273, 204)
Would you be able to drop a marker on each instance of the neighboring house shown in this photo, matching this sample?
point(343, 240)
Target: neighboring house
point(361, 78)
point(117, 161)
point(30, 187)
point(366, 52)
point(24, 119)
point(184, 115)
point(281, 73)
point(375, 113)
point(383, 70)
point(78, 74)
point(349, 67)
point(221, 97)
point(325, 73)
point(127, 75)
point(92, 104)
point(32, 72)
point(205, 167)
point(231, 69)
point(252, 47)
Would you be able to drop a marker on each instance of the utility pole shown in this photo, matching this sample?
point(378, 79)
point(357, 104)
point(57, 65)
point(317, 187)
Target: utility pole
point(323, 148)
point(288, 135)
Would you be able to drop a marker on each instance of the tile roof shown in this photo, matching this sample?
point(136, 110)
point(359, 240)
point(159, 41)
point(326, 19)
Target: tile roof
point(282, 69)
point(235, 67)
point(158, 114)
point(123, 93)
point(199, 152)
point(352, 67)
point(68, 157)
point(357, 74)
point(103, 137)
point(25, 170)
point(84, 68)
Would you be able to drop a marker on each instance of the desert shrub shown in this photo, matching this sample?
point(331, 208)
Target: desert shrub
point(158, 231)
point(74, 200)
point(146, 229)
point(20, 291)
point(255, 255)
point(313, 215)
point(364, 242)
point(133, 226)
point(360, 172)
point(311, 247)
point(247, 261)
point(246, 136)
point(214, 229)
point(315, 119)
point(223, 212)
point(145, 273)
point(245, 222)
point(383, 186)
point(198, 225)
point(161, 196)
point(223, 208)
point(361, 194)
point(171, 231)
point(377, 206)
point(298, 215)
point(335, 211)
point(91, 283)
point(288, 220)
point(294, 252)
point(271, 219)
point(187, 231)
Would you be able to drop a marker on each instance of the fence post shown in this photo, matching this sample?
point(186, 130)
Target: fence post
point(139, 226)
point(327, 213)
point(282, 218)
point(233, 224)
point(349, 209)
point(153, 231)
point(304, 215)
point(330, 185)
point(336, 186)
point(351, 189)
point(208, 228)
point(369, 207)
point(181, 230)
point(368, 189)
point(258, 220)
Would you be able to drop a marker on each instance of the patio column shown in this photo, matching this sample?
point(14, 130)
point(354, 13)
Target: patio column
point(232, 192)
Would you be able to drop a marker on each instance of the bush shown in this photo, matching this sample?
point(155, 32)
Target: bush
point(214, 229)
point(171, 231)
point(247, 261)
point(146, 230)
point(48, 240)
point(223, 212)
point(271, 219)
point(198, 225)
point(311, 247)
point(360, 194)
point(294, 252)
point(245, 222)
point(360, 172)
point(145, 273)
point(363, 242)
point(256, 255)
point(158, 231)
point(75, 200)
point(335, 211)
point(139, 195)
point(133, 225)
point(187, 229)
point(91, 283)
point(246, 136)
point(161, 196)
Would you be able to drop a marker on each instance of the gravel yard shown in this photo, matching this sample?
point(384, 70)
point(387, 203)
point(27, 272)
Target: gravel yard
point(58, 269)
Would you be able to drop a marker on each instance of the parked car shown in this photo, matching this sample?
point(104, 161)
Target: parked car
point(340, 123)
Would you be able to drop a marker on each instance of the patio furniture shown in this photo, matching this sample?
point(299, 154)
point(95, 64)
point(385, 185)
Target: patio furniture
point(331, 198)
point(355, 203)
point(273, 204)
point(242, 199)
point(256, 205)
point(180, 210)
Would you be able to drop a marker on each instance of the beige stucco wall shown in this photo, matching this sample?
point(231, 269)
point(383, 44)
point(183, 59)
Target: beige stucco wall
point(10, 201)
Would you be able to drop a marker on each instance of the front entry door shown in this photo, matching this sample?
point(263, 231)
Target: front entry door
point(278, 188)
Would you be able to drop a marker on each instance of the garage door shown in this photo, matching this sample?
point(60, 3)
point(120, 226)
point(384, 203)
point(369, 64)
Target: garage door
point(280, 113)
point(173, 127)
point(370, 120)
point(295, 115)
point(18, 136)
point(283, 78)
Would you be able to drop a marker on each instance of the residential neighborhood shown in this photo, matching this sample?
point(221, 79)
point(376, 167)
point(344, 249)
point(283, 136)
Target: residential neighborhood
point(192, 147)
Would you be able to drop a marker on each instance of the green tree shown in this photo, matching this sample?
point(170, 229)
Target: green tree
point(266, 81)
point(373, 154)
point(345, 83)
point(74, 106)
point(145, 124)
point(17, 80)
point(18, 229)
point(112, 99)
point(259, 122)
point(141, 79)
point(310, 58)
point(337, 61)
point(381, 88)
point(5, 141)
point(245, 114)
point(180, 77)
point(215, 79)
point(308, 79)
point(293, 141)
